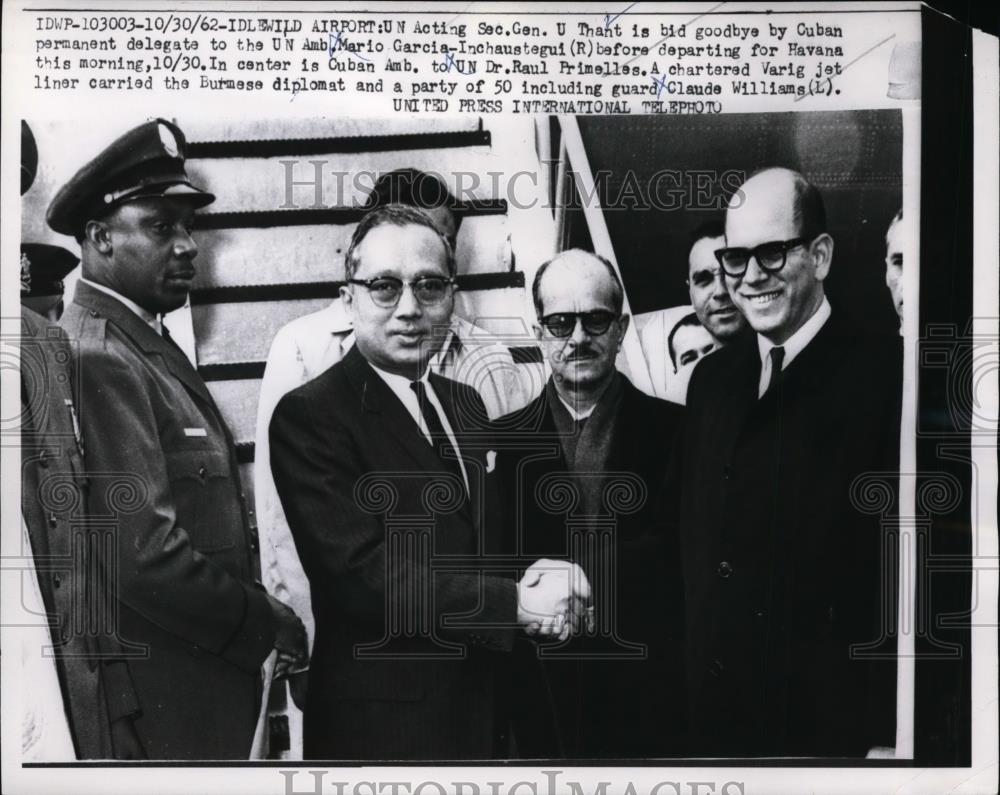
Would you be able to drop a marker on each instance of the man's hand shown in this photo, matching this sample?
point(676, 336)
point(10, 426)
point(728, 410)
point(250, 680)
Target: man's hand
point(289, 639)
point(553, 598)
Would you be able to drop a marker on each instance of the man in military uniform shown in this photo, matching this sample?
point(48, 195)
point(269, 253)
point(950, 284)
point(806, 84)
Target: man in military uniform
point(43, 268)
point(181, 559)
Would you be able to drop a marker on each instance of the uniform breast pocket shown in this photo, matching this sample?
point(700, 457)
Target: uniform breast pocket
point(204, 496)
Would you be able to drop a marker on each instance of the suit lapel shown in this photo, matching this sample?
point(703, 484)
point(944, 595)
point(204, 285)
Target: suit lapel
point(377, 398)
point(475, 469)
point(151, 343)
point(739, 402)
point(801, 377)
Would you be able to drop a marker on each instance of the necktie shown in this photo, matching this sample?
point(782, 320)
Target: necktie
point(165, 333)
point(439, 439)
point(777, 359)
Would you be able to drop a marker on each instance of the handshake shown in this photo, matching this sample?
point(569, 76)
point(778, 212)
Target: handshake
point(554, 599)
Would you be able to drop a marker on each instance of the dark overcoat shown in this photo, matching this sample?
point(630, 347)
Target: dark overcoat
point(618, 693)
point(789, 563)
point(413, 624)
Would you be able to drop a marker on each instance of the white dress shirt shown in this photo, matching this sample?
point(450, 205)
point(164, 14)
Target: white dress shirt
point(577, 415)
point(793, 346)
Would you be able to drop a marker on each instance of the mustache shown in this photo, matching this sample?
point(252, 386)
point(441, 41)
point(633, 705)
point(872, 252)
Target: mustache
point(583, 352)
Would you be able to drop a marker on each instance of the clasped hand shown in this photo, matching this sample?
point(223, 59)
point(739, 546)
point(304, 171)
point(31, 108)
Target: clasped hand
point(290, 639)
point(553, 599)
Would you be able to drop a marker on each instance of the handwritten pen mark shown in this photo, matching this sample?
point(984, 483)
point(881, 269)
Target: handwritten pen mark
point(449, 64)
point(661, 84)
point(712, 10)
point(610, 20)
point(851, 63)
point(337, 44)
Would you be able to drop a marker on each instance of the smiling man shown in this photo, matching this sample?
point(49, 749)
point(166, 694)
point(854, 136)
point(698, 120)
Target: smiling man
point(788, 580)
point(388, 485)
point(179, 555)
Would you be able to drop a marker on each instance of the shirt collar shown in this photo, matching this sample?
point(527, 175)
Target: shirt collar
point(605, 396)
point(795, 344)
point(400, 384)
point(576, 415)
point(148, 318)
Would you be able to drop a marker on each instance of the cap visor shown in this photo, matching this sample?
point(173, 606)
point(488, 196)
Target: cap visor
point(188, 192)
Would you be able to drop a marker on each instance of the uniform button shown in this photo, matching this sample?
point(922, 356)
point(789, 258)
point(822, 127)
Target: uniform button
point(724, 570)
point(716, 668)
point(202, 472)
point(52, 520)
point(760, 613)
point(726, 471)
point(254, 541)
point(56, 580)
point(43, 458)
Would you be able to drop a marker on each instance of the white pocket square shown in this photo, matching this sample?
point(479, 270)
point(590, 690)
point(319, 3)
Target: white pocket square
point(491, 460)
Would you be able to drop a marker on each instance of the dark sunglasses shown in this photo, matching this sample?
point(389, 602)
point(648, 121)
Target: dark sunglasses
point(595, 323)
point(387, 290)
point(770, 256)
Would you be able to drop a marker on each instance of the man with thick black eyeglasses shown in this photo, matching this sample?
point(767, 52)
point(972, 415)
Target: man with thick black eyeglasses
point(386, 473)
point(585, 466)
point(788, 579)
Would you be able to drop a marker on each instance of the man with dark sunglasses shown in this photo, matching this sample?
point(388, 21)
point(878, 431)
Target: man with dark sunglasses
point(584, 466)
point(788, 578)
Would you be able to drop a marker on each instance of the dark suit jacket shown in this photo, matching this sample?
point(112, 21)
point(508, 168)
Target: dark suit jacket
point(165, 495)
point(783, 564)
point(410, 629)
point(53, 493)
point(620, 695)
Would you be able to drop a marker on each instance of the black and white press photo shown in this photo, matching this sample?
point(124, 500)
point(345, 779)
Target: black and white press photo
point(484, 398)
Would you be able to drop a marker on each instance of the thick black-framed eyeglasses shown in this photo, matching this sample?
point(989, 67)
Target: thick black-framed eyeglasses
point(387, 290)
point(595, 323)
point(770, 256)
